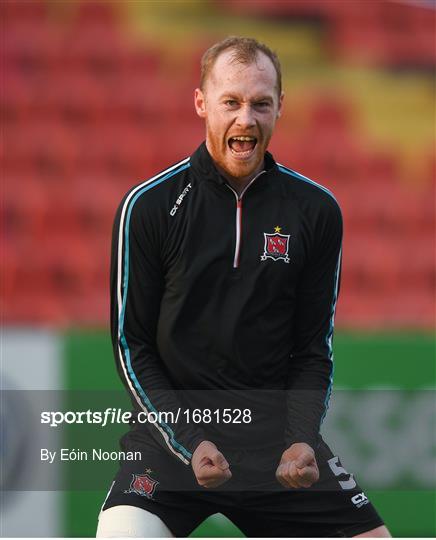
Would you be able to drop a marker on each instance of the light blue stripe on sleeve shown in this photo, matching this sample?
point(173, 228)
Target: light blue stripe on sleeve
point(123, 340)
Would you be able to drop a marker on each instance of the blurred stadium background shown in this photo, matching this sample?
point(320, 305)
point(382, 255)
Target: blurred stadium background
point(96, 96)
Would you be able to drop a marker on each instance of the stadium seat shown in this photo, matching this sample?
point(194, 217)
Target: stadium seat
point(31, 49)
point(73, 99)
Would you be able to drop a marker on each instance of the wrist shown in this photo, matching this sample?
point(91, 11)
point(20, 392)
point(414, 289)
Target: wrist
point(197, 442)
point(295, 449)
point(312, 441)
point(202, 445)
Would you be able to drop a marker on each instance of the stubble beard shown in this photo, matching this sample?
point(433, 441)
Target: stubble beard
point(221, 156)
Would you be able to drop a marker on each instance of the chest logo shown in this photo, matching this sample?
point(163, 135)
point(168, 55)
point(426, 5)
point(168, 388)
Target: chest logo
point(179, 201)
point(276, 246)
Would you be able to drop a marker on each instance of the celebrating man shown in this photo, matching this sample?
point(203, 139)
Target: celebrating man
point(225, 277)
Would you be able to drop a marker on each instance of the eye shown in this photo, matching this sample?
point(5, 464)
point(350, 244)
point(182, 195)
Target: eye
point(231, 102)
point(262, 104)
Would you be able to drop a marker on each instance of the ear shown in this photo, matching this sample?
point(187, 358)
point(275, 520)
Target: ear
point(279, 110)
point(200, 103)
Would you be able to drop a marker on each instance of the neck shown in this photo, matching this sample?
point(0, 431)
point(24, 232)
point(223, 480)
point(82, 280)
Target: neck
point(240, 183)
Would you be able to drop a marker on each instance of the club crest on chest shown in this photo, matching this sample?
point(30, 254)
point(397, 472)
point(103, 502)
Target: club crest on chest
point(276, 246)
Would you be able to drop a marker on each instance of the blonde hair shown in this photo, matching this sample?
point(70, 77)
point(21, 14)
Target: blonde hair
point(245, 51)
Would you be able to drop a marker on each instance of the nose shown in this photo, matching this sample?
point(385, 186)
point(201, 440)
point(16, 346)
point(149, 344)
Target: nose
point(245, 118)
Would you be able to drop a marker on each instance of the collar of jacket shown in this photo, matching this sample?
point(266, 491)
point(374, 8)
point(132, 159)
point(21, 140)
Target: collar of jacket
point(203, 165)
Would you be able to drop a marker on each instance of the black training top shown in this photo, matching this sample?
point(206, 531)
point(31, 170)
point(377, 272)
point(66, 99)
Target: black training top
point(215, 292)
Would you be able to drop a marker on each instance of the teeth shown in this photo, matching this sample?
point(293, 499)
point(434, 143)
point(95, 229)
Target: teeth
point(243, 138)
point(240, 154)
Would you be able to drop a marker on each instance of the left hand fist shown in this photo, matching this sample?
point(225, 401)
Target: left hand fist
point(298, 467)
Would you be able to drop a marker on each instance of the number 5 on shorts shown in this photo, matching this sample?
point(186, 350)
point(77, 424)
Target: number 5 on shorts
point(338, 470)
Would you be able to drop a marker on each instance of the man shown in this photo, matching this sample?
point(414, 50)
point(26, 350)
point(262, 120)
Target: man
point(225, 277)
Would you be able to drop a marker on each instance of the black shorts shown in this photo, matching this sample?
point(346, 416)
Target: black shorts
point(252, 499)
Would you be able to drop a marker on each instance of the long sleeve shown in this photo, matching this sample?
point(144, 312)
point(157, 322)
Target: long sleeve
point(137, 284)
point(311, 364)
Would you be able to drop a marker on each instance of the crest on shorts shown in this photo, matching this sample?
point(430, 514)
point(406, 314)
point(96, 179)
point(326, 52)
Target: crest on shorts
point(143, 484)
point(276, 246)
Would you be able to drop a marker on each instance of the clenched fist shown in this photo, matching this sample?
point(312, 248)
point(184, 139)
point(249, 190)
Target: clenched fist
point(298, 467)
point(210, 467)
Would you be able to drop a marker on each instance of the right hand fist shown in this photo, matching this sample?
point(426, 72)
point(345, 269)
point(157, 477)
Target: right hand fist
point(298, 467)
point(210, 467)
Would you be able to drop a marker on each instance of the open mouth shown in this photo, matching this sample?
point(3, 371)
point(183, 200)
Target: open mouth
point(242, 146)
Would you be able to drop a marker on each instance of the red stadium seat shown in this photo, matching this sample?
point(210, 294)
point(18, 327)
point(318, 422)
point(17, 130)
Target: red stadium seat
point(17, 99)
point(72, 99)
point(27, 11)
point(95, 46)
point(31, 49)
point(25, 208)
point(92, 13)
